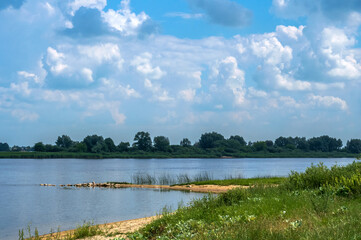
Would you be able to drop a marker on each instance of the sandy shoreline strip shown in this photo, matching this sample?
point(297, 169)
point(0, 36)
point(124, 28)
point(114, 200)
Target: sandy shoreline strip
point(190, 187)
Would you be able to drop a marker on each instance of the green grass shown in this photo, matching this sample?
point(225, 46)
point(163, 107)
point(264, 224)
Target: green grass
point(303, 206)
point(87, 229)
point(244, 181)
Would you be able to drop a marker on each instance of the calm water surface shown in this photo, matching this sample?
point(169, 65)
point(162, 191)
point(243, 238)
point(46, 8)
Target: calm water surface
point(23, 201)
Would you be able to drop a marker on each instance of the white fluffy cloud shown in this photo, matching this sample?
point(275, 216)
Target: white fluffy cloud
point(144, 66)
point(230, 77)
point(341, 60)
point(123, 20)
point(270, 49)
point(328, 101)
point(76, 4)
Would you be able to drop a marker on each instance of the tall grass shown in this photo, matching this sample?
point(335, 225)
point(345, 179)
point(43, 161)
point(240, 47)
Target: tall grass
point(87, 229)
point(167, 179)
point(342, 180)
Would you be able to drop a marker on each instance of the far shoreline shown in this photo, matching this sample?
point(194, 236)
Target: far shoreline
point(159, 155)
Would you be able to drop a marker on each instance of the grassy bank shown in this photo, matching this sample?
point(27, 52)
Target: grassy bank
point(244, 181)
point(321, 203)
point(149, 155)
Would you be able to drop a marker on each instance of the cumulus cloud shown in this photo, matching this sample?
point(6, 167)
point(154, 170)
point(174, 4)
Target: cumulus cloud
point(55, 61)
point(328, 102)
point(79, 65)
point(224, 12)
point(342, 61)
point(144, 66)
point(77, 4)
point(125, 21)
point(290, 31)
point(230, 76)
point(270, 49)
point(102, 53)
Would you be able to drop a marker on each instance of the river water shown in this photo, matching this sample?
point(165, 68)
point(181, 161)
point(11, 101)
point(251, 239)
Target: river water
point(24, 202)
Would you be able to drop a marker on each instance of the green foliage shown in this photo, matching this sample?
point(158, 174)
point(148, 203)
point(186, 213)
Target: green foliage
point(64, 141)
point(161, 143)
point(78, 147)
point(39, 147)
point(123, 146)
point(110, 145)
point(185, 142)
point(95, 144)
point(239, 139)
point(4, 147)
point(354, 146)
point(260, 146)
point(324, 144)
point(86, 230)
point(208, 140)
point(340, 180)
point(143, 141)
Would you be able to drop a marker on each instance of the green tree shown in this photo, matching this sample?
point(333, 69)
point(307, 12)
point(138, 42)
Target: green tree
point(259, 146)
point(64, 142)
point(39, 147)
point(4, 147)
point(142, 141)
point(239, 139)
point(161, 143)
point(78, 147)
point(324, 144)
point(185, 142)
point(95, 144)
point(110, 145)
point(123, 147)
point(269, 143)
point(301, 143)
point(208, 140)
point(51, 148)
point(354, 146)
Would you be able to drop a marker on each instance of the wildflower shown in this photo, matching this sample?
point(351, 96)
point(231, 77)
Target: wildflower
point(251, 218)
point(296, 224)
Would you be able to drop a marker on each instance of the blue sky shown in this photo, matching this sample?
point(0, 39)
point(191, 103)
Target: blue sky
point(259, 69)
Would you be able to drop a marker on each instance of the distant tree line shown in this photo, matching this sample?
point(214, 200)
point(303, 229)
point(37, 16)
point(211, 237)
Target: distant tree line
point(212, 141)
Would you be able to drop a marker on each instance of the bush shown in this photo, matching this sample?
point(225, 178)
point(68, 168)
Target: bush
point(340, 180)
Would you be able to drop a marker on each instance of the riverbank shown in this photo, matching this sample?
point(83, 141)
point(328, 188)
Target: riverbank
point(163, 155)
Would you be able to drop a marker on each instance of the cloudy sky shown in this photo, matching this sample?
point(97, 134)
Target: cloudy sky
point(260, 69)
